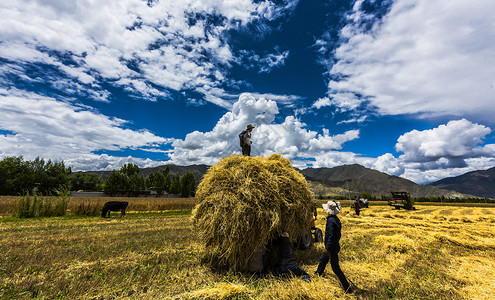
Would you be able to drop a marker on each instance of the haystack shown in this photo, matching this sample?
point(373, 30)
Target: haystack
point(243, 202)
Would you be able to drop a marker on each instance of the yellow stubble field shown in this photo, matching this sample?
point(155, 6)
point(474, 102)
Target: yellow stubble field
point(433, 252)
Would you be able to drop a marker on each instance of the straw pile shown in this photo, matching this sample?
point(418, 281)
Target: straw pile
point(243, 202)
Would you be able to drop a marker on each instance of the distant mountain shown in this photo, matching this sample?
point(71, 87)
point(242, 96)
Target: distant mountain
point(331, 181)
point(358, 179)
point(479, 183)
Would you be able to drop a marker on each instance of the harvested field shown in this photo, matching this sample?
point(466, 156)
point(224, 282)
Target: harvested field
point(445, 253)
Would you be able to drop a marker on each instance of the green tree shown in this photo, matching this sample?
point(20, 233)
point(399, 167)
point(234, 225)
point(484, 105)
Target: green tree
point(175, 185)
point(129, 169)
point(136, 184)
point(156, 182)
point(127, 180)
point(15, 176)
point(366, 195)
point(18, 176)
point(49, 176)
point(116, 182)
point(85, 181)
point(187, 185)
point(168, 180)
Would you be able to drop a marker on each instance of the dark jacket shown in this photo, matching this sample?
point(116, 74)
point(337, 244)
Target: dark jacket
point(332, 233)
point(285, 251)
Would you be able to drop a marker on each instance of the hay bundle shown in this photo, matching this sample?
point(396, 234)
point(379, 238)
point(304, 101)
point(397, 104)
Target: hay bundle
point(243, 202)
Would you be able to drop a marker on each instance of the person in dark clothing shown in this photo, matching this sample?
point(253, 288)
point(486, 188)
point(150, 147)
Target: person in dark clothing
point(357, 207)
point(287, 263)
point(245, 138)
point(332, 244)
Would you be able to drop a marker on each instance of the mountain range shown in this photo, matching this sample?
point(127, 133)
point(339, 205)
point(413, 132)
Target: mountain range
point(355, 179)
point(480, 183)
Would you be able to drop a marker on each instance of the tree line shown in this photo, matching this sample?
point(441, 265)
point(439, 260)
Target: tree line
point(19, 176)
point(128, 181)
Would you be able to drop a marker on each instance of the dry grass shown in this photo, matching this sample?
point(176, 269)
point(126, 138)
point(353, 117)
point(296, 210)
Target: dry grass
point(8, 204)
point(435, 252)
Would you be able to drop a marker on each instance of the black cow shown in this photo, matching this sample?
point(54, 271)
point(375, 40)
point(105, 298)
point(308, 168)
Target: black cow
point(114, 206)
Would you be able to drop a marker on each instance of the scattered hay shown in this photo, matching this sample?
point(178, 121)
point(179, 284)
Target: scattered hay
point(396, 242)
point(465, 242)
point(477, 274)
point(222, 290)
point(319, 288)
point(243, 202)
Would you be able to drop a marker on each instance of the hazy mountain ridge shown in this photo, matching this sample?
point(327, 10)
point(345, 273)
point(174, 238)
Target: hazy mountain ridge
point(480, 183)
point(334, 181)
point(360, 179)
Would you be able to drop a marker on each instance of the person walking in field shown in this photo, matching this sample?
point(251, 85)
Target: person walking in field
point(332, 244)
point(245, 140)
point(357, 207)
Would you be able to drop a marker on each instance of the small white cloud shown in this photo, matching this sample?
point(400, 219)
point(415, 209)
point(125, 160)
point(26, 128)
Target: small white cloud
point(265, 64)
point(104, 162)
point(361, 119)
point(322, 102)
point(283, 99)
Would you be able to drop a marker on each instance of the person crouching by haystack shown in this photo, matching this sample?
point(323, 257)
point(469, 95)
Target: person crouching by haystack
point(287, 264)
point(332, 244)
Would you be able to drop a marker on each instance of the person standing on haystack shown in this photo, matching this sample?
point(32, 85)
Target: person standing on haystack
point(245, 140)
point(332, 244)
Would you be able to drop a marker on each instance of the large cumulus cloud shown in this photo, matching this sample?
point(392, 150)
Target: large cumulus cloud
point(448, 150)
point(290, 138)
point(428, 58)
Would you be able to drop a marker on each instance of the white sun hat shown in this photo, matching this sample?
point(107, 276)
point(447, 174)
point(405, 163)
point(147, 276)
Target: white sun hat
point(332, 208)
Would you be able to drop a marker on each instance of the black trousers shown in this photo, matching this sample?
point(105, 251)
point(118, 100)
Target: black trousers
point(334, 263)
point(246, 150)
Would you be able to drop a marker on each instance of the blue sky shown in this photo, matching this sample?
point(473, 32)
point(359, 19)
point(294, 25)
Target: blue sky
point(405, 87)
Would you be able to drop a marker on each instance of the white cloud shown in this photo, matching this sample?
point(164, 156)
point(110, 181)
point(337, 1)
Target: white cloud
point(432, 58)
point(104, 162)
point(283, 99)
point(322, 102)
point(447, 150)
point(290, 138)
point(178, 45)
point(330, 159)
point(456, 139)
point(42, 126)
point(361, 119)
point(265, 64)
point(387, 163)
